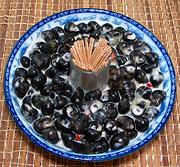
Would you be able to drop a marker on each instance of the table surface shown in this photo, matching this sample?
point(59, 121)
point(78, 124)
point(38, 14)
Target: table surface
point(162, 17)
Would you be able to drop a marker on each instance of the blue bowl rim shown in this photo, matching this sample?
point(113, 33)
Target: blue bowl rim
point(83, 157)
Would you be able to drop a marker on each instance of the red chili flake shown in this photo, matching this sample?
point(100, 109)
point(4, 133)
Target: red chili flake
point(113, 55)
point(149, 85)
point(78, 137)
point(88, 113)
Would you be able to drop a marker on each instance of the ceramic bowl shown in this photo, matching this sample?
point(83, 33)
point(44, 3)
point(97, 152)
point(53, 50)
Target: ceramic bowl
point(101, 16)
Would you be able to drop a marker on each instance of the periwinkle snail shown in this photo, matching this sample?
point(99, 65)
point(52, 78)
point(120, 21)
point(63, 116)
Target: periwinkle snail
point(97, 119)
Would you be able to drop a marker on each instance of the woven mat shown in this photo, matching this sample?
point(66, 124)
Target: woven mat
point(162, 17)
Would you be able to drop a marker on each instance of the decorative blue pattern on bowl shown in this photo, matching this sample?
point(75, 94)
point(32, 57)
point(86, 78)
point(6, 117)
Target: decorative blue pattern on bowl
point(101, 16)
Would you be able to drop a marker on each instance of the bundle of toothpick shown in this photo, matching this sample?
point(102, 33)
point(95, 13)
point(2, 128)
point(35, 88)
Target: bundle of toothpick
point(90, 55)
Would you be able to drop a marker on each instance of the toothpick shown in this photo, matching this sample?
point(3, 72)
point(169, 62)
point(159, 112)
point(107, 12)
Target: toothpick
point(104, 51)
point(90, 56)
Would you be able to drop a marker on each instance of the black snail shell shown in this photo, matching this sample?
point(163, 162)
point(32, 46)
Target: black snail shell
point(100, 146)
point(106, 27)
point(32, 72)
point(141, 77)
point(129, 71)
point(119, 141)
point(100, 115)
point(127, 90)
point(147, 67)
point(55, 60)
point(113, 37)
point(142, 124)
point(49, 47)
point(67, 138)
point(37, 101)
point(68, 91)
point(51, 135)
point(70, 28)
point(137, 57)
point(157, 97)
point(150, 113)
point(144, 92)
point(129, 36)
point(124, 48)
point(47, 107)
point(115, 78)
point(111, 111)
point(21, 86)
point(41, 61)
point(35, 50)
point(126, 123)
point(63, 64)
point(92, 26)
point(77, 96)
point(29, 113)
point(82, 27)
point(145, 48)
point(111, 95)
point(70, 110)
point(121, 60)
point(93, 95)
point(27, 100)
point(25, 61)
point(63, 48)
point(59, 80)
point(59, 83)
point(43, 123)
point(52, 71)
point(152, 58)
point(58, 31)
point(141, 46)
point(81, 146)
point(127, 94)
point(123, 106)
point(156, 78)
point(121, 46)
point(130, 134)
point(79, 123)
point(61, 61)
point(120, 29)
point(95, 105)
point(110, 126)
point(66, 39)
point(129, 85)
point(63, 124)
point(47, 90)
point(38, 81)
point(21, 72)
point(94, 130)
point(138, 106)
point(39, 49)
point(84, 108)
point(66, 56)
point(48, 35)
point(59, 102)
point(95, 34)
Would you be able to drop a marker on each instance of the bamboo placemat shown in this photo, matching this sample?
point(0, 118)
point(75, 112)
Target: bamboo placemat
point(162, 17)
